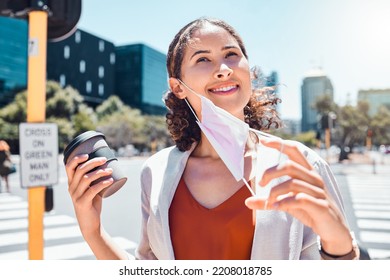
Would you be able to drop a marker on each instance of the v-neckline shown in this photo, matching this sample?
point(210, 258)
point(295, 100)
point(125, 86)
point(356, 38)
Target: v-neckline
point(217, 207)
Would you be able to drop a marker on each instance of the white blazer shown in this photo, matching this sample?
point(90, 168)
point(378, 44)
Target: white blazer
point(278, 235)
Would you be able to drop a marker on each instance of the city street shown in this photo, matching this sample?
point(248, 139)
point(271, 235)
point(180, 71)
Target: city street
point(365, 188)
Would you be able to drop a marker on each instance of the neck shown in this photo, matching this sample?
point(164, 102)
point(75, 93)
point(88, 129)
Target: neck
point(205, 149)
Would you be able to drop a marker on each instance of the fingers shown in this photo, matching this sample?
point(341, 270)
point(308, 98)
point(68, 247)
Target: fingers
point(255, 203)
point(294, 187)
point(289, 148)
point(73, 163)
point(81, 174)
point(293, 170)
point(92, 191)
point(85, 186)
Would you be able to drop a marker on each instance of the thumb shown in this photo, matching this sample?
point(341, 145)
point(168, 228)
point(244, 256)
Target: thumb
point(255, 203)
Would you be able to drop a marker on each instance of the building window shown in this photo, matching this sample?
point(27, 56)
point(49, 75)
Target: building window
point(77, 37)
point(101, 72)
point(82, 66)
point(62, 80)
point(112, 58)
point(66, 52)
point(101, 89)
point(88, 87)
point(101, 46)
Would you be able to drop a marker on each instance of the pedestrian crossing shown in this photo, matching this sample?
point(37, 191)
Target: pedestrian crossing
point(62, 236)
point(370, 199)
point(367, 203)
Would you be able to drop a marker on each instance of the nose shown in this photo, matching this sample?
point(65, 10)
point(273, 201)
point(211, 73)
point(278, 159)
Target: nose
point(223, 72)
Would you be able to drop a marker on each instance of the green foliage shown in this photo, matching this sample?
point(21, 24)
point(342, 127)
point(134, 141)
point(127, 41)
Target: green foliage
point(307, 138)
point(64, 103)
point(324, 104)
point(380, 126)
point(110, 106)
point(121, 124)
point(122, 127)
point(84, 120)
point(66, 131)
point(64, 106)
point(353, 122)
point(15, 112)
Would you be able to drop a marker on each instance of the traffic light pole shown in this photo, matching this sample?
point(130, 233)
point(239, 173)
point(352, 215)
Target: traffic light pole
point(36, 113)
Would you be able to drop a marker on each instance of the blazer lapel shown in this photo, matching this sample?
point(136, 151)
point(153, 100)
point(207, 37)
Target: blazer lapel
point(171, 175)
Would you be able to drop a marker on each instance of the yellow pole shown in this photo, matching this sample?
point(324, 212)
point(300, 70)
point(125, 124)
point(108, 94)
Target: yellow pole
point(327, 138)
point(36, 112)
point(368, 143)
point(327, 143)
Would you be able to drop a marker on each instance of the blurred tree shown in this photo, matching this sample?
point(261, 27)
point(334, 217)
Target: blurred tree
point(354, 122)
point(10, 117)
point(66, 131)
point(308, 138)
point(156, 131)
point(110, 106)
point(324, 104)
point(380, 126)
point(122, 127)
point(120, 123)
point(85, 119)
point(64, 106)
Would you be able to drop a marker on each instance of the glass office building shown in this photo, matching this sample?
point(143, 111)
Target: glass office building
point(94, 66)
point(314, 85)
point(141, 77)
point(13, 58)
point(86, 62)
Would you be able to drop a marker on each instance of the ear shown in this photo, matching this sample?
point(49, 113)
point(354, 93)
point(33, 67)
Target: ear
point(176, 88)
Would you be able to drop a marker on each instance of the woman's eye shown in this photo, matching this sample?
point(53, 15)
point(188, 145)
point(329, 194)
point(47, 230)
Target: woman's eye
point(202, 59)
point(231, 54)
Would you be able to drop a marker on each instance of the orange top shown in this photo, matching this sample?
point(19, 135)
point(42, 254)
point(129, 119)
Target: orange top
point(221, 233)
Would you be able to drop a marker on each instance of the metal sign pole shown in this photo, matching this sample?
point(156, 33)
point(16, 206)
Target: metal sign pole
point(36, 112)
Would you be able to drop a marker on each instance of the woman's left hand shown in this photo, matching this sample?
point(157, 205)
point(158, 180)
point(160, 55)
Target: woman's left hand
point(305, 197)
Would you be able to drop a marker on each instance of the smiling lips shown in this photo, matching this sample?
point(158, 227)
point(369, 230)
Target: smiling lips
point(224, 89)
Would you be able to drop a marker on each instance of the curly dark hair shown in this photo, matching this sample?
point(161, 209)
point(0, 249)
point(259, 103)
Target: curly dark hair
point(260, 112)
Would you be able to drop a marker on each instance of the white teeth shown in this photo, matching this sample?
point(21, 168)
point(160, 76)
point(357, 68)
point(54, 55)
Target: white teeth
point(223, 88)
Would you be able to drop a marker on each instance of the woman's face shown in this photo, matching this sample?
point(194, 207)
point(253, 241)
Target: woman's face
point(215, 67)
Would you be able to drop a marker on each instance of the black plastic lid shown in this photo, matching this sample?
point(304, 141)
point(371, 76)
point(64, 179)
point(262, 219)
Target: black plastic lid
point(78, 140)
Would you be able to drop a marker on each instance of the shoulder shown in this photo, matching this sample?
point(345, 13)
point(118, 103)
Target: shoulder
point(165, 159)
point(162, 156)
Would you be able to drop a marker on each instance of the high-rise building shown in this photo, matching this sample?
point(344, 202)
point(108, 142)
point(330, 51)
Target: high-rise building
point(314, 85)
point(141, 77)
point(375, 98)
point(86, 62)
point(13, 57)
point(272, 80)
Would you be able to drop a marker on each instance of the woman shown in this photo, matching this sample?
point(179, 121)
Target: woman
point(5, 163)
point(192, 206)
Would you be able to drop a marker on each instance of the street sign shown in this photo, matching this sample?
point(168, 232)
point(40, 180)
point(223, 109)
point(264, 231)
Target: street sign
point(62, 15)
point(38, 144)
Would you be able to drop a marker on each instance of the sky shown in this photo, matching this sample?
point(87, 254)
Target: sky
point(348, 39)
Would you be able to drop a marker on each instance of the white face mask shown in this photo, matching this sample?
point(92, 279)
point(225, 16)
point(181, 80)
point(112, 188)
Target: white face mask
point(227, 134)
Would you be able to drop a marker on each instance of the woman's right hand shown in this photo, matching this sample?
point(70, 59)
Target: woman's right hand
point(86, 199)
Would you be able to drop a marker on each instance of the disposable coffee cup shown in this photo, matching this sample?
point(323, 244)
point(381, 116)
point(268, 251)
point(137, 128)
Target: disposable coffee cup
point(94, 144)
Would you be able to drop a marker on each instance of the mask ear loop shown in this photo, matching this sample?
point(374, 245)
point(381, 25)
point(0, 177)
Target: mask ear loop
point(192, 110)
point(185, 99)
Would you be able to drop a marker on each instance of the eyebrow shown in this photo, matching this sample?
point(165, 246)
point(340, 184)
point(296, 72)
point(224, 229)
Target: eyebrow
point(207, 51)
